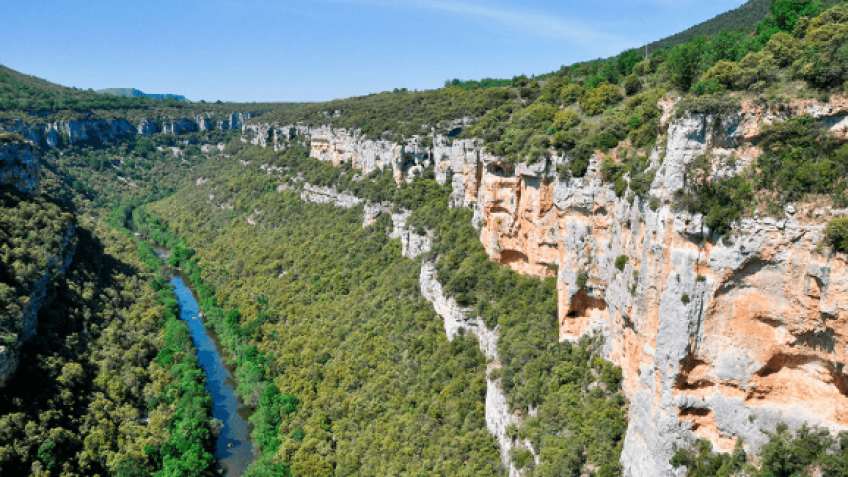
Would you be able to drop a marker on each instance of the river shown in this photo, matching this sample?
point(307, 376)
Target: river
point(233, 449)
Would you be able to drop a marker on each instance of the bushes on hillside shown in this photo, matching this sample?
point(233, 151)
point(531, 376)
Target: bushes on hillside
point(596, 100)
point(837, 234)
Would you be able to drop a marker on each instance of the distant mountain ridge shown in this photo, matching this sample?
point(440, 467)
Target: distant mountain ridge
point(135, 93)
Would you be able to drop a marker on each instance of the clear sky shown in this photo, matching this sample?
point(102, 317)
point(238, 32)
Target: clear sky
point(309, 50)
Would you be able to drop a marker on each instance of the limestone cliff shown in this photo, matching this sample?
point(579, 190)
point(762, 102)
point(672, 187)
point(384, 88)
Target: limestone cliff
point(719, 337)
point(57, 133)
point(20, 305)
point(18, 165)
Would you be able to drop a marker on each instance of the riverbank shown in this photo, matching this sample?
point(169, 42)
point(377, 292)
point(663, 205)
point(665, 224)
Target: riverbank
point(234, 449)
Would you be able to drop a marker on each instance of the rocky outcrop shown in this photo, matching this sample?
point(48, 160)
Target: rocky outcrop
point(718, 337)
point(341, 146)
point(498, 415)
point(18, 165)
point(39, 296)
point(99, 131)
point(19, 170)
point(328, 195)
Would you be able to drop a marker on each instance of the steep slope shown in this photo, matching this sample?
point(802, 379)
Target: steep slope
point(85, 387)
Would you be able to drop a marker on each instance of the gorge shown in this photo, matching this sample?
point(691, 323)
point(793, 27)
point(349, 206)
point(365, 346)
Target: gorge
point(633, 266)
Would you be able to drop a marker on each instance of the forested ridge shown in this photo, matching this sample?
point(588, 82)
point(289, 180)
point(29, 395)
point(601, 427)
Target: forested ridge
point(24, 96)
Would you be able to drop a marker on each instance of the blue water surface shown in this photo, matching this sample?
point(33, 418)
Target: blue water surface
point(234, 450)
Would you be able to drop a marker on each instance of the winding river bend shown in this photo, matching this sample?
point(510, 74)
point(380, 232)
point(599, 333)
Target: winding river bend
point(233, 449)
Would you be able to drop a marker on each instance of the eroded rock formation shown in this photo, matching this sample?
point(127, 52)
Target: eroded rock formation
point(19, 170)
point(72, 132)
point(719, 337)
point(18, 165)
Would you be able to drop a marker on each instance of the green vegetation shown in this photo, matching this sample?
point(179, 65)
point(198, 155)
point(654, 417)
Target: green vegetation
point(786, 454)
point(344, 361)
point(35, 235)
point(802, 159)
point(837, 234)
point(27, 97)
point(90, 395)
point(378, 387)
point(283, 295)
point(722, 201)
point(138, 170)
point(744, 17)
point(799, 160)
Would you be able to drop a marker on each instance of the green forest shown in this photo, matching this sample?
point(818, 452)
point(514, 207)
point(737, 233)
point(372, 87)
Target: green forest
point(94, 393)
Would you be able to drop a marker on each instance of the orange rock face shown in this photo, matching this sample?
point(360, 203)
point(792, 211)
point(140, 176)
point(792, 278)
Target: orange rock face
point(519, 222)
point(716, 339)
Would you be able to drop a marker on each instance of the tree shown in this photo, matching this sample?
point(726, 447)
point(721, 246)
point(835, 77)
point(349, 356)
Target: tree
point(786, 13)
point(685, 62)
point(632, 84)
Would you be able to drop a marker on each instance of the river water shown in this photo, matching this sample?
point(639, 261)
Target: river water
point(233, 449)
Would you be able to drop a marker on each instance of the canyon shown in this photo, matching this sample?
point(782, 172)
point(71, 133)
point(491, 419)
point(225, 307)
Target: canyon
point(718, 336)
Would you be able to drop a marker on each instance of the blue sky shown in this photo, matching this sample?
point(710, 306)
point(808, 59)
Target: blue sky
point(310, 50)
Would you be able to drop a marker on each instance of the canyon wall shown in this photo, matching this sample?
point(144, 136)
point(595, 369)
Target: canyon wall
point(18, 165)
point(74, 132)
point(718, 337)
point(18, 323)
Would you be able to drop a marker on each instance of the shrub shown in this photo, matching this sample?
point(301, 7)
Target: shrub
point(837, 234)
point(621, 262)
point(582, 278)
point(800, 159)
point(685, 299)
point(571, 94)
point(709, 87)
point(755, 68)
point(643, 117)
point(825, 62)
point(723, 73)
point(642, 68)
point(721, 201)
point(620, 187)
point(654, 203)
point(566, 119)
point(579, 157)
point(784, 48)
point(632, 85)
point(684, 62)
point(564, 140)
point(611, 170)
point(596, 100)
point(522, 458)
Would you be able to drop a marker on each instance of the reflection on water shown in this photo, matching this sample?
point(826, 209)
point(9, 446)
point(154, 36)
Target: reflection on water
point(233, 450)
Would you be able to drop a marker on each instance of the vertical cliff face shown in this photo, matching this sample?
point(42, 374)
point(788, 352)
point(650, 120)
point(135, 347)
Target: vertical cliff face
point(718, 337)
point(24, 291)
point(340, 146)
point(18, 165)
point(52, 134)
